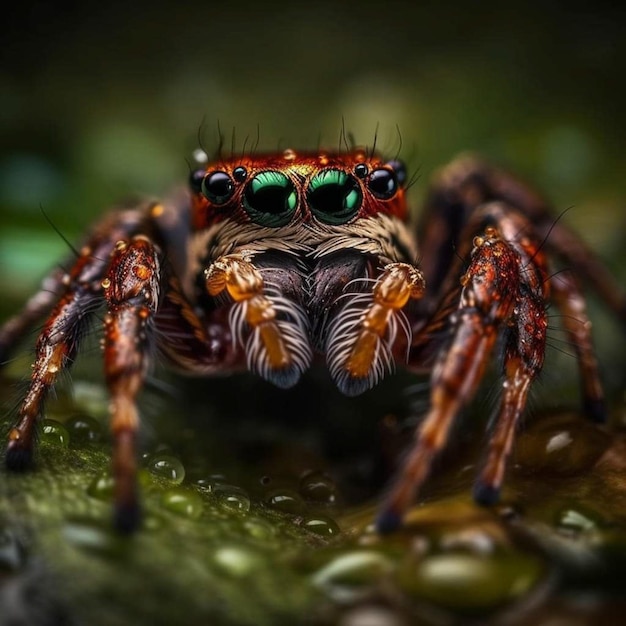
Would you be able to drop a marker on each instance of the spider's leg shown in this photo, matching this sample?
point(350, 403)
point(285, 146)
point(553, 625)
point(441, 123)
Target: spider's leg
point(131, 289)
point(37, 306)
point(571, 302)
point(523, 360)
point(59, 340)
point(487, 300)
point(466, 184)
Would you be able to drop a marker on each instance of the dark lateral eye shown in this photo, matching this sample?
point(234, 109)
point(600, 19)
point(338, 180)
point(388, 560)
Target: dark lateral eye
point(270, 199)
point(334, 197)
point(400, 169)
point(383, 183)
point(217, 187)
point(240, 174)
point(195, 180)
point(360, 170)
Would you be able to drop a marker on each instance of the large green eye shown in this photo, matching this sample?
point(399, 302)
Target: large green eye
point(270, 199)
point(334, 197)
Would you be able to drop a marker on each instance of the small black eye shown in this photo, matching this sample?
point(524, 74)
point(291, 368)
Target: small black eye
point(334, 197)
point(400, 169)
point(270, 199)
point(195, 180)
point(382, 183)
point(217, 187)
point(360, 170)
point(240, 174)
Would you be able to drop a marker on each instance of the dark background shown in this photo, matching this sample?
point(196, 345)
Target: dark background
point(100, 101)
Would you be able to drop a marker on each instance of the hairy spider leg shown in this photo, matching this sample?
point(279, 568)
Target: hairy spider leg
point(569, 299)
point(35, 308)
point(487, 302)
point(59, 340)
point(468, 182)
point(456, 210)
point(131, 289)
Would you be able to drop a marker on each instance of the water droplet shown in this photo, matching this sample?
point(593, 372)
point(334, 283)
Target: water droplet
point(560, 444)
point(102, 486)
point(232, 497)
point(84, 429)
point(321, 525)
point(55, 433)
point(208, 483)
point(351, 575)
point(318, 487)
point(286, 501)
point(237, 561)
point(182, 502)
point(469, 582)
point(167, 467)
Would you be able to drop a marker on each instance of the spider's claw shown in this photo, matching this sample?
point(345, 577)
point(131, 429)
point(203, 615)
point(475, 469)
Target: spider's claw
point(127, 517)
point(19, 455)
point(486, 494)
point(595, 409)
point(387, 522)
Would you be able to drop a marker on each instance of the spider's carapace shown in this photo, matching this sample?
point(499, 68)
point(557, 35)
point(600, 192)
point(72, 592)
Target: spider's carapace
point(271, 261)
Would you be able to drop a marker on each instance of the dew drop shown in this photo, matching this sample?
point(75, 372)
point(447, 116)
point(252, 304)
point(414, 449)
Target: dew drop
point(237, 561)
point(168, 467)
point(102, 486)
point(318, 487)
point(350, 575)
point(232, 497)
point(84, 429)
point(286, 501)
point(320, 525)
point(182, 502)
point(55, 433)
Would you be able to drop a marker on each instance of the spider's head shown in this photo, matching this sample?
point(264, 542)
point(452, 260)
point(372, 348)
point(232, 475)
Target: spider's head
point(323, 189)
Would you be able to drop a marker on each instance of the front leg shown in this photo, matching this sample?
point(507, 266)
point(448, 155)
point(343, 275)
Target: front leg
point(488, 302)
point(79, 294)
point(131, 289)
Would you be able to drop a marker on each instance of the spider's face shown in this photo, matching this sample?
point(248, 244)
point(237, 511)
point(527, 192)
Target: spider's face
point(288, 189)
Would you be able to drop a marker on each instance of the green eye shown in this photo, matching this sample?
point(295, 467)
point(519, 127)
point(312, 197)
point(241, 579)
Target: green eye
point(334, 196)
point(270, 199)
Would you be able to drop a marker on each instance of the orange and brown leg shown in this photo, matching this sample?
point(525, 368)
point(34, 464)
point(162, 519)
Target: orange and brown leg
point(466, 184)
point(576, 323)
point(79, 293)
point(487, 301)
point(131, 289)
point(55, 350)
point(523, 360)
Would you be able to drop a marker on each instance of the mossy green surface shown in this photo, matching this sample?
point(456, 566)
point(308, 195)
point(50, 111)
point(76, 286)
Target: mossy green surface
point(218, 550)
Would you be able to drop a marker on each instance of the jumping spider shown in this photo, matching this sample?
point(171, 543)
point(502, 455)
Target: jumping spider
point(273, 260)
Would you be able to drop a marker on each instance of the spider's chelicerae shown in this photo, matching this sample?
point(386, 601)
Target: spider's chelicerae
point(272, 261)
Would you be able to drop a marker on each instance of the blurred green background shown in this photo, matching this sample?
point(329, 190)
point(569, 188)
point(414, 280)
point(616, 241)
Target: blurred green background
point(101, 101)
